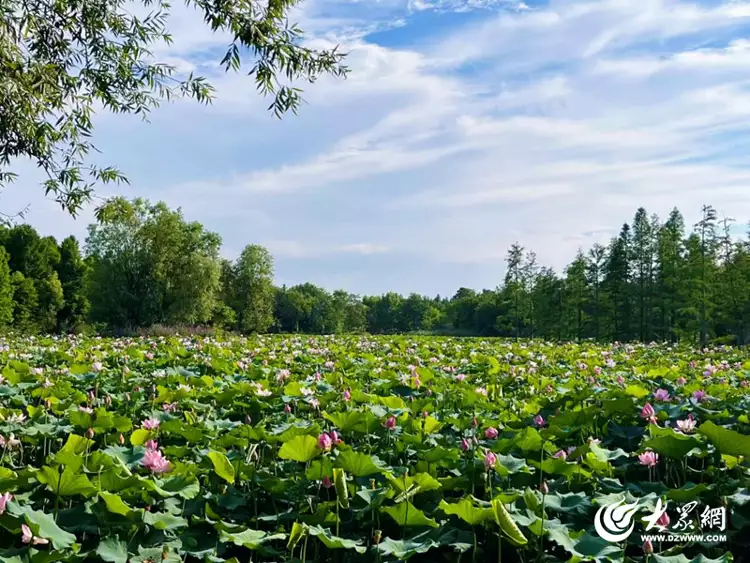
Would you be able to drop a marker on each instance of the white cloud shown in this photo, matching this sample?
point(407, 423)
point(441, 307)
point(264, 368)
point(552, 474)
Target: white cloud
point(735, 57)
point(547, 125)
point(297, 249)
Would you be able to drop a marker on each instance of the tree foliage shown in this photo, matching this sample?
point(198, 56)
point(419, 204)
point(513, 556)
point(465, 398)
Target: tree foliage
point(145, 264)
point(253, 293)
point(61, 59)
point(148, 265)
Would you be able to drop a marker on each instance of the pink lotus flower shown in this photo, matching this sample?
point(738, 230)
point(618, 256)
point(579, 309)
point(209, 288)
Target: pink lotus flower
point(122, 439)
point(90, 433)
point(87, 410)
point(681, 381)
point(491, 433)
point(597, 370)
point(662, 395)
point(562, 454)
point(474, 422)
point(4, 499)
point(97, 366)
point(334, 437)
point(347, 395)
point(490, 459)
point(151, 423)
point(648, 547)
point(687, 425)
point(648, 412)
point(544, 488)
point(28, 537)
point(152, 445)
point(169, 407)
point(283, 375)
point(465, 445)
point(326, 482)
point(539, 420)
point(325, 442)
point(155, 461)
point(287, 409)
point(620, 379)
point(460, 377)
point(649, 458)
point(663, 520)
point(390, 423)
point(149, 356)
point(700, 395)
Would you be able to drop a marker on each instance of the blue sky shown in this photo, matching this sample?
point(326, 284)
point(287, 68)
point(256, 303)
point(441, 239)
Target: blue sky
point(463, 127)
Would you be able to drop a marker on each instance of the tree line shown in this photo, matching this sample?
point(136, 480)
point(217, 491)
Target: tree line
point(144, 264)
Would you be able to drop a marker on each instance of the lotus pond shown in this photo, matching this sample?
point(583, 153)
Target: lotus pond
point(365, 449)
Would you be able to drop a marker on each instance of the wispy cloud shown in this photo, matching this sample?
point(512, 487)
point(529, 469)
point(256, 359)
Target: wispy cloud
point(297, 249)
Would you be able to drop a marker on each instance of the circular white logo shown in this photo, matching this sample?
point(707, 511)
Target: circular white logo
point(614, 522)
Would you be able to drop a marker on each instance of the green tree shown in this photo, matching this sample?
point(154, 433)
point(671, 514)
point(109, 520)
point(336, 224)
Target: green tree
point(706, 231)
point(25, 303)
point(462, 310)
point(577, 293)
point(414, 311)
point(548, 296)
point(731, 295)
point(355, 320)
point(186, 265)
point(72, 273)
point(50, 300)
point(293, 310)
point(35, 257)
point(151, 266)
point(595, 261)
point(642, 267)
point(60, 60)
point(670, 273)
point(6, 290)
point(384, 313)
point(513, 290)
point(616, 285)
point(254, 290)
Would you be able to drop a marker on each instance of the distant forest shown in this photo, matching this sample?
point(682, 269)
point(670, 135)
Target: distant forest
point(144, 265)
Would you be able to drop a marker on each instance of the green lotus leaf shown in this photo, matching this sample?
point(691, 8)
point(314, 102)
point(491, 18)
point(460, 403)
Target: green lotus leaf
point(222, 466)
point(301, 448)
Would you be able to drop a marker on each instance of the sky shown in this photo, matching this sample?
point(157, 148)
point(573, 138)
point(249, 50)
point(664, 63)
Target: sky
point(464, 126)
